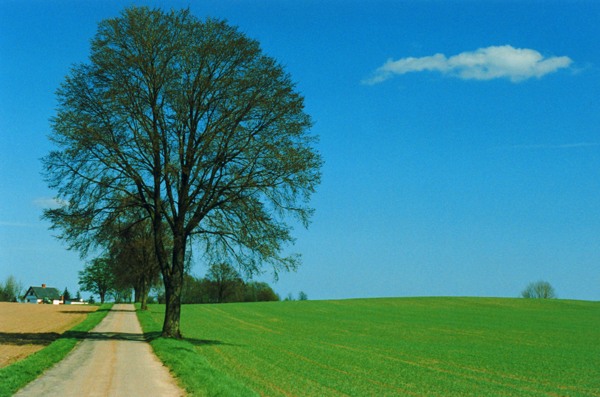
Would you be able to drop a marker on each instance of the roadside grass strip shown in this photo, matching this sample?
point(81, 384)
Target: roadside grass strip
point(191, 369)
point(20, 373)
point(393, 347)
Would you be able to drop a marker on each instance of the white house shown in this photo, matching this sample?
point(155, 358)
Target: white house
point(43, 294)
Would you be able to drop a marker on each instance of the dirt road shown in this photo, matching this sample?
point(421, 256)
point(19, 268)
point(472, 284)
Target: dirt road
point(113, 361)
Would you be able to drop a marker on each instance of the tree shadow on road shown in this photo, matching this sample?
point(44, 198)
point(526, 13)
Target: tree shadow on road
point(123, 336)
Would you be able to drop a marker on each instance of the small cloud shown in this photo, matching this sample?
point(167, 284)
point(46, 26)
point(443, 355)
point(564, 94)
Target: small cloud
point(495, 62)
point(49, 202)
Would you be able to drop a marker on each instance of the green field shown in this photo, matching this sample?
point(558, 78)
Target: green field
point(379, 347)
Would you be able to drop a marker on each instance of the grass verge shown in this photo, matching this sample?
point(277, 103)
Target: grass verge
point(192, 370)
point(19, 374)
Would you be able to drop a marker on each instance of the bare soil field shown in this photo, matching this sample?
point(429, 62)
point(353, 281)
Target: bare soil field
point(27, 328)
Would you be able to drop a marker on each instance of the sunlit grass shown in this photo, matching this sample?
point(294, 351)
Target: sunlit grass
point(194, 373)
point(420, 346)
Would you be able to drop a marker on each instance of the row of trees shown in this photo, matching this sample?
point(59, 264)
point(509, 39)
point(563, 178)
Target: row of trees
point(222, 284)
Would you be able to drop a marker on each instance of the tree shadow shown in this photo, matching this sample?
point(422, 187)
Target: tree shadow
point(150, 336)
point(104, 336)
point(91, 311)
point(206, 342)
point(45, 338)
point(28, 338)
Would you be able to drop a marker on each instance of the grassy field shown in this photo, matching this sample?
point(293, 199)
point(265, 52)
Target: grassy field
point(379, 347)
point(20, 373)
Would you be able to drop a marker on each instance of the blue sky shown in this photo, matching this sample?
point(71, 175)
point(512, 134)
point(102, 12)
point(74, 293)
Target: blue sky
point(461, 140)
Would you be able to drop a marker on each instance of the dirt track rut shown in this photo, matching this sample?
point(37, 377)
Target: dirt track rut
point(114, 360)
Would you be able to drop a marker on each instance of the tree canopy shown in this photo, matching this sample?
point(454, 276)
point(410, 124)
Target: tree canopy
point(204, 290)
point(97, 277)
point(10, 290)
point(133, 261)
point(190, 123)
point(539, 290)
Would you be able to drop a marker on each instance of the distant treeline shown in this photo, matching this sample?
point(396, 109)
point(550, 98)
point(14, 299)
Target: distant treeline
point(222, 284)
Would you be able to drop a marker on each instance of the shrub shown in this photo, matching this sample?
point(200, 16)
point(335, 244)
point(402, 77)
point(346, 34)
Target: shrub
point(539, 290)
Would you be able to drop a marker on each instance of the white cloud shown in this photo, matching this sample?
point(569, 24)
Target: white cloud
point(49, 202)
point(515, 64)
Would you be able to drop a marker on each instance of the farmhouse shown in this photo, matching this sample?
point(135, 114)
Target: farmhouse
point(43, 294)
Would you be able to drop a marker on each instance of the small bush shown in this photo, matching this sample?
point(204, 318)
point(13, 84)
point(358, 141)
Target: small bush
point(539, 290)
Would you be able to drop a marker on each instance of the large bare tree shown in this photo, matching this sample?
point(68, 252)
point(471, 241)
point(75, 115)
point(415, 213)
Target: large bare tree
point(189, 121)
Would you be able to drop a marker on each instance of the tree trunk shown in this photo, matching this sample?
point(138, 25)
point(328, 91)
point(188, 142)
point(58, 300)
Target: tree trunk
point(144, 302)
point(173, 288)
point(143, 294)
point(137, 293)
point(173, 312)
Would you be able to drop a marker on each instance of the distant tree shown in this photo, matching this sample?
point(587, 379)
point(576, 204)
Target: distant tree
point(195, 290)
point(10, 290)
point(225, 289)
point(226, 282)
point(91, 299)
point(190, 122)
point(255, 291)
point(97, 277)
point(66, 295)
point(289, 297)
point(134, 264)
point(121, 294)
point(539, 290)
point(302, 296)
point(78, 296)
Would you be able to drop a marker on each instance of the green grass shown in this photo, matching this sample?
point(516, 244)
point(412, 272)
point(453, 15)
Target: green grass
point(193, 371)
point(19, 374)
point(386, 347)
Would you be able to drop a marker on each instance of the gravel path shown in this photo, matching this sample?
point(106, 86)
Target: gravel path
point(114, 360)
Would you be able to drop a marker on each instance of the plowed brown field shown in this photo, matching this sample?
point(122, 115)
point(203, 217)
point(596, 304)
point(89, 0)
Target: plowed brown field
point(27, 328)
